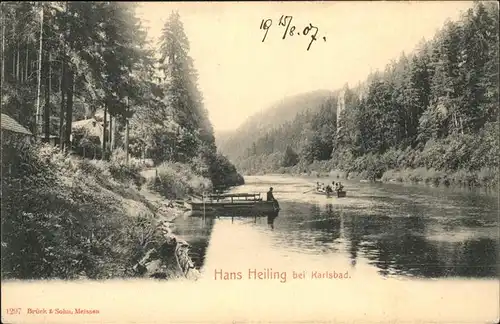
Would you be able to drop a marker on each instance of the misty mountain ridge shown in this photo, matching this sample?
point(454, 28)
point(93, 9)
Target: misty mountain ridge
point(234, 143)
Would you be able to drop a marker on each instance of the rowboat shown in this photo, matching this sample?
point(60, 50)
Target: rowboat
point(323, 193)
point(240, 204)
point(340, 194)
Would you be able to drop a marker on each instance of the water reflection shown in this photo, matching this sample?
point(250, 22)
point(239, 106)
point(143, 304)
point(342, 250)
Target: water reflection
point(395, 245)
point(270, 219)
point(196, 231)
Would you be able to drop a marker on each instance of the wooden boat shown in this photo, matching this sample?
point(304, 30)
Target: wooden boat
point(324, 193)
point(340, 194)
point(241, 204)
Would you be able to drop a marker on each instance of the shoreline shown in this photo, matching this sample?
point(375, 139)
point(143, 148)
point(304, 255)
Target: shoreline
point(418, 177)
point(171, 260)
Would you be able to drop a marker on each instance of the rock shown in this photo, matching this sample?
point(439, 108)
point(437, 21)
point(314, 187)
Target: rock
point(170, 260)
point(154, 266)
point(159, 275)
point(139, 269)
point(193, 274)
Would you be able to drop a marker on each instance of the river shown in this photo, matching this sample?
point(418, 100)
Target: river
point(430, 240)
point(400, 230)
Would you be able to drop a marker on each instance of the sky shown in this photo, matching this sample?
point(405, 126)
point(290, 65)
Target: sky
point(240, 75)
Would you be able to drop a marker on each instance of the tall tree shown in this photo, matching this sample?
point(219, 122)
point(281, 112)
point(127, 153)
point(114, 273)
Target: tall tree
point(181, 91)
point(39, 75)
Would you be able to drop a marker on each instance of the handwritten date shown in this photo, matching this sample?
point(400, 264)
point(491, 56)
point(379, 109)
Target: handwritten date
point(290, 30)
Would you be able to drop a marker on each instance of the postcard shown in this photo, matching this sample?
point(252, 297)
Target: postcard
point(250, 162)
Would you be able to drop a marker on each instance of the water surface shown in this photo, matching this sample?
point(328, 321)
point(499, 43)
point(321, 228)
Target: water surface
point(398, 230)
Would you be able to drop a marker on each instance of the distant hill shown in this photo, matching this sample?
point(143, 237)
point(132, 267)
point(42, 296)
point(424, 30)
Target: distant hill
point(233, 144)
point(221, 137)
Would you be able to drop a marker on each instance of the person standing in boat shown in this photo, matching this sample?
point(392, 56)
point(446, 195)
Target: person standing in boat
point(270, 197)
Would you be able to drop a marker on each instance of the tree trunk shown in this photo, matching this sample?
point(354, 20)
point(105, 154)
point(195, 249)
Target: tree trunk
point(104, 130)
point(3, 50)
point(39, 84)
point(455, 123)
point(27, 63)
point(126, 132)
point(18, 61)
point(112, 121)
point(13, 52)
point(61, 112)
point(126, 140)
point(47, 98)
point(69, 109)
point(22, 72)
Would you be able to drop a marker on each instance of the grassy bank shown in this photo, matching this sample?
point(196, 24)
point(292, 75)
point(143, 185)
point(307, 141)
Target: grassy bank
point(484, 178)
point(67, 218)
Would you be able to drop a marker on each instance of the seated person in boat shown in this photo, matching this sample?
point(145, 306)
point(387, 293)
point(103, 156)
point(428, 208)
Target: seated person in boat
point(328, 189)
point(341, 186)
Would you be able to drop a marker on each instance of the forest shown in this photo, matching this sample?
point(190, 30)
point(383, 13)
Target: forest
point(430, 116)
point(66, 191)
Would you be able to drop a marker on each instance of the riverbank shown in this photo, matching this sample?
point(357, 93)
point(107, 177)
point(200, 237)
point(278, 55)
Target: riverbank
point(461, 160)
point(170, 259)
point(485, 178)
point(68, 218)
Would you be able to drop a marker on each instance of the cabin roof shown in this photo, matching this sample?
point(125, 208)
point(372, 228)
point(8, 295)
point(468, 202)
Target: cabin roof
point(9, 124)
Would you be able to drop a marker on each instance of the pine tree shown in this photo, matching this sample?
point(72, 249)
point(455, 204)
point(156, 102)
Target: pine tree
point(181, 91)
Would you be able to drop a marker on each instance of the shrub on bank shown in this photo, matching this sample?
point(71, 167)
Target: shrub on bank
point(223, 173)
point(177, 181)
point(127, 173)
point(486, 177)
point(58, 221)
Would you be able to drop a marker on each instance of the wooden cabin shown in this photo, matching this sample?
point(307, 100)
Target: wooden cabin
point(11, 129)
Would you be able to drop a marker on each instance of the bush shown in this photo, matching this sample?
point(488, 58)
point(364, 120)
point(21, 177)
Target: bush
point(127, 173)
point(86, 146)
point(223, 173)
point(177, 180)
